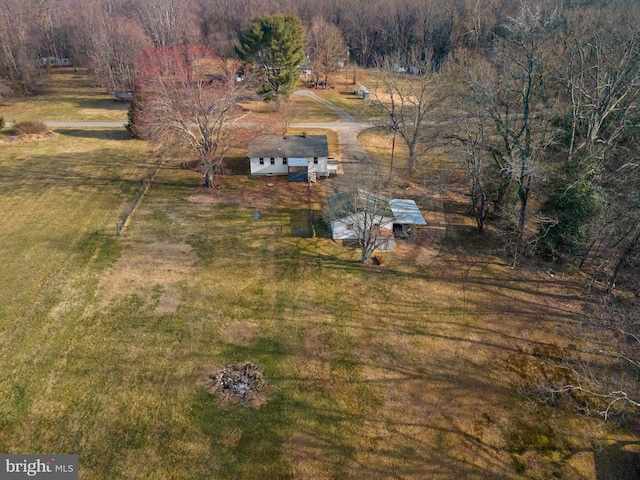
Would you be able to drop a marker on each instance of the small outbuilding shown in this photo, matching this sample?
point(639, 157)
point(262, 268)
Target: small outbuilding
point(407, 217)
point(301, 157)
point(356, 213)
point(361, 91)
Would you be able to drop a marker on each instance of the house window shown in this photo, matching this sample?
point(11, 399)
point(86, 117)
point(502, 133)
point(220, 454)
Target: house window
point(315, 160)
point(261, 161)
point(273, 161)
point(284, 161)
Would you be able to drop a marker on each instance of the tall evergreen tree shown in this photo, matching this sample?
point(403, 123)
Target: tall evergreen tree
point(276, 45)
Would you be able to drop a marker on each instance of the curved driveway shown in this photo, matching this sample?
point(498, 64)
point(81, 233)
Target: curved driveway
point(347, 129)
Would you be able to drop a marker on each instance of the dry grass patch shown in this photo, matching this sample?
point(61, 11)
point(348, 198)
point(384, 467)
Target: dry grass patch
point(254, 194)
point(298, 109)
point(157, 272)
point(377, 142)
point(240, 333)
point(308, 110)
point(67, 95)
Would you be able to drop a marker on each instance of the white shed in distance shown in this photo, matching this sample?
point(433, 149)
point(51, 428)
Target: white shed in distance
point(406, 212)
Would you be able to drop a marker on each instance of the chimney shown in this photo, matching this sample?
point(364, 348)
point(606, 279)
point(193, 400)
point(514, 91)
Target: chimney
point(304, 134)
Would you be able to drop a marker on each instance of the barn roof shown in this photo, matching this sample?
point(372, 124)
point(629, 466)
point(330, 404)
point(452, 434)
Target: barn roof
point(355, 201)
point(289, 146)
point(406, 212)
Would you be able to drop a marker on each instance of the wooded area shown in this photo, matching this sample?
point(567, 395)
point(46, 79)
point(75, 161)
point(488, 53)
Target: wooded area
point(544, 106)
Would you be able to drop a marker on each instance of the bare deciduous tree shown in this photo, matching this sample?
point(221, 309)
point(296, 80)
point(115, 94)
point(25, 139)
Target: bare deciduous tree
point(360, 213)
point(114, 45)
point(363, 216)
point(602, 79)
point(19, 44)
point(408, 101)
point(167, 22)
point(472, 141)
point(509, 89)
point(188, 94)
point(600, 73)
point(325, 47)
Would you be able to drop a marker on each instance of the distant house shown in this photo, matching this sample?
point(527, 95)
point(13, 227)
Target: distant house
point(54, 62)
point(301, 157)
point(359, 214)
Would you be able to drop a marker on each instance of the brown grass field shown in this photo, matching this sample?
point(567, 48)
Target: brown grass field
point(66, 95)
point(411, 370)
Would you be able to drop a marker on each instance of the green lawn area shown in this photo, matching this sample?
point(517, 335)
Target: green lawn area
point(354, 105)
point(66, 95)
point(341, 95)
point(300, 109)
point(400, 371)
point(308, 110)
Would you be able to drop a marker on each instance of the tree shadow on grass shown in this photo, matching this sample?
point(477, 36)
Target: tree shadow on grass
point(307, 223)
point(237, 166)
point(39, 173)
point(615, 463)
point(331, 422)
point(119, 133)
point(101, 103)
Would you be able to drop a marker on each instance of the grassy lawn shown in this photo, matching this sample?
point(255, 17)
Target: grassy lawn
point(379, 373)
point(404, 371)
point(342, 95)
point(377, 142)
point(56, 195)
point(308, 110)
point(352, 104)
point(66, 95)
point(301, 110)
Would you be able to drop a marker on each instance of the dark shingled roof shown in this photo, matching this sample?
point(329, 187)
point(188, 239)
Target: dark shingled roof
point(290, 146)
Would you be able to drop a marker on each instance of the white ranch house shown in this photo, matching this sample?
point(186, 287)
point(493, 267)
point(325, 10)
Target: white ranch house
point(301, 157)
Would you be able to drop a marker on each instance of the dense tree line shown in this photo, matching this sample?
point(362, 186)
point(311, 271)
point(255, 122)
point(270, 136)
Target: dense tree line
point(427, 28)
point(108, 35)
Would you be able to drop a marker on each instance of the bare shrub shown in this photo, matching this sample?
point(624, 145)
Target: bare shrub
point(30, 128)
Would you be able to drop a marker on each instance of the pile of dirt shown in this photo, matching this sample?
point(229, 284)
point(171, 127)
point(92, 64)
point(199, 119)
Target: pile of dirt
point(240, 384)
